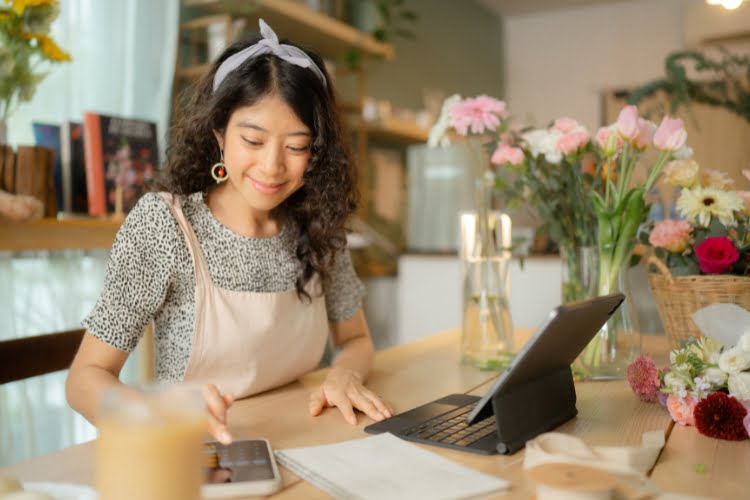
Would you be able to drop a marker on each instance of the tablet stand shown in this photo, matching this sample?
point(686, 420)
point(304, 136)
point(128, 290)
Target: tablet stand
point(531, 409)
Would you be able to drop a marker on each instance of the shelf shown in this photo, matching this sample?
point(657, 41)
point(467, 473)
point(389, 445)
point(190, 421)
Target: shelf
point(396, 131)
point(58, 234)
point(294, 20)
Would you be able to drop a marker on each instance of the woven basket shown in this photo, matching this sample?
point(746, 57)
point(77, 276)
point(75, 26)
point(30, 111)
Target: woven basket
point(677, 298)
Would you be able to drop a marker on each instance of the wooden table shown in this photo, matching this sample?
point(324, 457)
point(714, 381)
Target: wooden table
point(416, 373)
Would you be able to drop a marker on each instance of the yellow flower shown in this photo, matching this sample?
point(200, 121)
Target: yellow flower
point(681, 173)
point(700, 204)
point(19, 6)
point(51, 49)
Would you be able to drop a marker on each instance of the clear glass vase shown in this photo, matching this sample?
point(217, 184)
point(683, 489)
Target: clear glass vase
point(487, 332)
point(579, 272)
point(618, 342)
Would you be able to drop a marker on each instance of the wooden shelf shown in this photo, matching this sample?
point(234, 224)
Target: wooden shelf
point(295, 21)
point(58, 234)
point(395, 131)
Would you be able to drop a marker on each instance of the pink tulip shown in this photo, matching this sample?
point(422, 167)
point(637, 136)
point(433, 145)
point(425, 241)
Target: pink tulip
point(645, 134)
point(627, 122)
point(608, 140)
point(566, 124)
point(671, 134)
point(506, 153)
point(572, 142)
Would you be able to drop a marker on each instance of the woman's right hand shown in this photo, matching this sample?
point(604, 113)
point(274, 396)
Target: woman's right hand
point(217, 405)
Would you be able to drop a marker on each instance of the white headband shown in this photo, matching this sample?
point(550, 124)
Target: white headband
point(268, 45)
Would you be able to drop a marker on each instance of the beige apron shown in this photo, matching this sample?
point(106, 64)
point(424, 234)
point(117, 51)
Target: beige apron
point(248, 342)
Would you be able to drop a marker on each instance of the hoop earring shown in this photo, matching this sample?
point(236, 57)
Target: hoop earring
point(219, 170)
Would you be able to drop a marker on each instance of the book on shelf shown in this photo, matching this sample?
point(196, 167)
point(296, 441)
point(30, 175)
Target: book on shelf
point(73, 163)
point(48, 135)
point(121, 161)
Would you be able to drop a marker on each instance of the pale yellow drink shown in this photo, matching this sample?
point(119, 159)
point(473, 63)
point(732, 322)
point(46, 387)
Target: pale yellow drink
point(150, 445)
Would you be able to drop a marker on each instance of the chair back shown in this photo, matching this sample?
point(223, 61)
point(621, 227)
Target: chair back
point(28, 357)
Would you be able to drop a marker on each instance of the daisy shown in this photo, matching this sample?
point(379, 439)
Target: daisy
point(700, 204)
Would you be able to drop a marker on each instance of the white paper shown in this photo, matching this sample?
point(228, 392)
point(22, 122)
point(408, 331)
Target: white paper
point(386, 467)
point(723, 322)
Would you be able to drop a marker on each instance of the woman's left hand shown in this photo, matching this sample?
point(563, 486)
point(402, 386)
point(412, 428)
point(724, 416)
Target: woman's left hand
point(343, 389)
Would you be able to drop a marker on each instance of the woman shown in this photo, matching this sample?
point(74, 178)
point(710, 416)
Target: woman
point(241, 261)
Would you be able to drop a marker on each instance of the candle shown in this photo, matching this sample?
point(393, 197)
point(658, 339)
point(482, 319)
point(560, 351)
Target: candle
point(150, 444)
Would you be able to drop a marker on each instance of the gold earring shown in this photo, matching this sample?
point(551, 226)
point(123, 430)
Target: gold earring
point(219, 170)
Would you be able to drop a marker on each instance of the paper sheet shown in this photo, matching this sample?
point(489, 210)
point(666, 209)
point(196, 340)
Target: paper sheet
point(385, 467)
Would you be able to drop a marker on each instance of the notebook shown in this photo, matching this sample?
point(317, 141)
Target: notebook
point(534, 395)
point(384, 467)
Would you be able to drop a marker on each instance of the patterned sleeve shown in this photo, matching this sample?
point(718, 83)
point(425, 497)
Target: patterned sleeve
point(345, 291)
point(138, 274)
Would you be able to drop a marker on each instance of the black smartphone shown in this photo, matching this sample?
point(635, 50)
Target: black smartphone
point(242, 468)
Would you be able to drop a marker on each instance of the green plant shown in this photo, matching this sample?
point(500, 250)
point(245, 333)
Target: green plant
point(25, 44)
point(724, 82)
point(394, 20)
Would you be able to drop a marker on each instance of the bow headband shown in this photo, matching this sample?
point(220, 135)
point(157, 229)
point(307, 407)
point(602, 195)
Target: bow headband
point(268, 45)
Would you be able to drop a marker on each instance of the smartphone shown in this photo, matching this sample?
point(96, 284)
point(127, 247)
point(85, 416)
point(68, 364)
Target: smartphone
point(243, 468)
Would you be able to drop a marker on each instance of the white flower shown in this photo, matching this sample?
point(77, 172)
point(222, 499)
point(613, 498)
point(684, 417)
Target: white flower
point(700, 204)
point(744, 342)
point(544, 142)
point(443, 123)
point(715, 376)
point(702, 386)
point(739, 385)
point(674, 382)
point(684, 153)
point(734, 360)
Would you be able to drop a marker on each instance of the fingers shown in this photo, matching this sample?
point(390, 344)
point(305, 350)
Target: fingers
point(381, 405)
point(365, 405)
point(317, 402)
point(217, 405)
point(346, 409)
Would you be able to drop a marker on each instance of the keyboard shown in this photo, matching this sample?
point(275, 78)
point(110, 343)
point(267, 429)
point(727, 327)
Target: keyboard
point(451, 428)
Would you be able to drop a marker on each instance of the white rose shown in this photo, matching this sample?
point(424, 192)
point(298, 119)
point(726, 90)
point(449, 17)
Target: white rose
point(739, 385)
point(715, 376)
point(744, 342)
point(675, 382)
point(734, 360)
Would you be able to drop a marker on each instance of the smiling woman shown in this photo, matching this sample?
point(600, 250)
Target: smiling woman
point(242, 265)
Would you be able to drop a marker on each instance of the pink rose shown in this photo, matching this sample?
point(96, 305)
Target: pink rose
point(716, 255)
point(671, 134)
point(672, 235)
point(572, 141)
point(627, 122)
point(643, 377)
point(681, 409)
point(506, 153)
point(566, 124)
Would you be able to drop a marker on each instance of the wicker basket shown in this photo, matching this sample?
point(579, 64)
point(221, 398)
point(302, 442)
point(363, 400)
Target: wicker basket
point(677, 298)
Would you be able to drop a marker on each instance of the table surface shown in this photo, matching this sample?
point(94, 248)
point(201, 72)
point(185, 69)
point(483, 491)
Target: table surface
point(422, 371)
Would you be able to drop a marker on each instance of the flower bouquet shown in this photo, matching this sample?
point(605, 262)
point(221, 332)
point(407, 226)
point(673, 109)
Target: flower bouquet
point(707, 384)
point(705, 257)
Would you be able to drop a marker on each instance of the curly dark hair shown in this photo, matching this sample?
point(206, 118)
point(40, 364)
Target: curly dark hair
point(329, 194)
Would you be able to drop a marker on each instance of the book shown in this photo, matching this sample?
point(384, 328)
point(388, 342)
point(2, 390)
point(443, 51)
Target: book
point(121, 161)
point(386, 467)
point(48, 135)
point(73, 165)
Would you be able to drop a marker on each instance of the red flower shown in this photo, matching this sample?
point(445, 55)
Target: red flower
point(720, 416)
point(643, 377)
point(716, 255)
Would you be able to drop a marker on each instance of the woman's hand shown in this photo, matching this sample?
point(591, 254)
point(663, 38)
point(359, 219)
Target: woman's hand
point(217, 405)
point(343, 388)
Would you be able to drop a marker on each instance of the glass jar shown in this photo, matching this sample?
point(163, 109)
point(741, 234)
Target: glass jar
point(150, 443)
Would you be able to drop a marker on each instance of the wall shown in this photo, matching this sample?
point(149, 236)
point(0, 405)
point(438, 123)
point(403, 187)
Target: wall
point(458, 48)
point(558, 63)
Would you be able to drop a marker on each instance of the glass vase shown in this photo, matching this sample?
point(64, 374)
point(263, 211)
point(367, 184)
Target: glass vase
point(579, 272)
point(618, 342)
point(487, 331)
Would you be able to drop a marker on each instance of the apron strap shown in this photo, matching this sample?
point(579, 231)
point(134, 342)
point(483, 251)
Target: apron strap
point(199, 262)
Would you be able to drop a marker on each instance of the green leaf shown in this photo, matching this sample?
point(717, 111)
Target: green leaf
point(409, 15)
